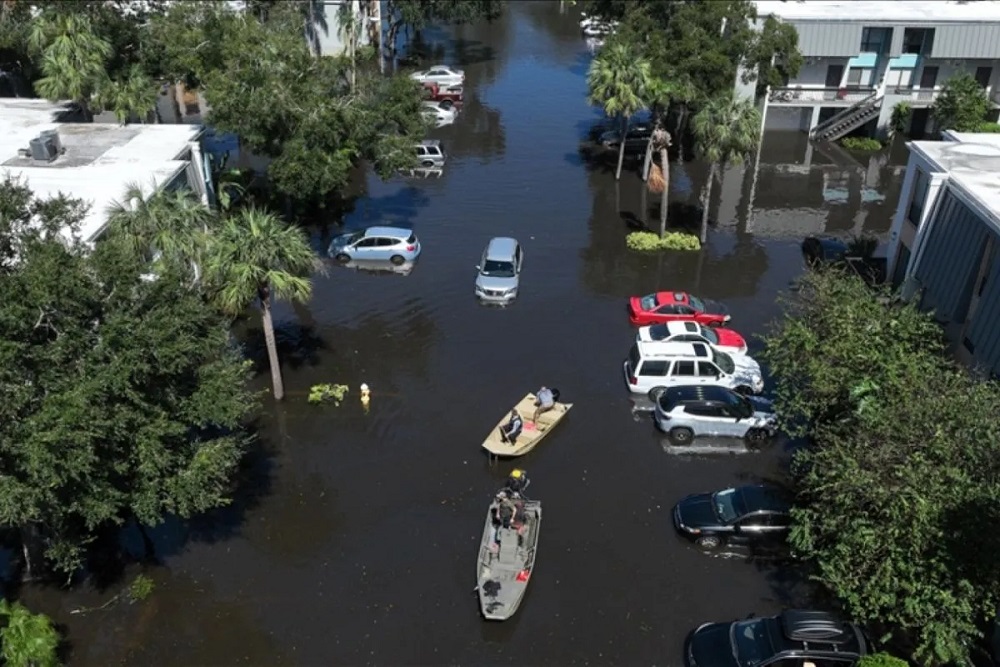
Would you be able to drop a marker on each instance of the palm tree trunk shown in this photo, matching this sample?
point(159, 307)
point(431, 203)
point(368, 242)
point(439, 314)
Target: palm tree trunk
point(679, 131)
point(706, 199)
point(665, 195)
point(644, 206)
point(648, 162)
point(621, 148)
point(272, 348)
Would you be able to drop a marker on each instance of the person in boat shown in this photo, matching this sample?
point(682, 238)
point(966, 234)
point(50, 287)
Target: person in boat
point(512, 429)
point(517, 482)
point(545, 400)
point(504, 513)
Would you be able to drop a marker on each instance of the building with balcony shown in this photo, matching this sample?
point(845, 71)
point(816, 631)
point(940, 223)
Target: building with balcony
point(96, 162)
point(862, 58)
point(946, 237)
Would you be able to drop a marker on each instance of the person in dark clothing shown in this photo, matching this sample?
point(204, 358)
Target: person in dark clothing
point(512, 429)
point(517, 482)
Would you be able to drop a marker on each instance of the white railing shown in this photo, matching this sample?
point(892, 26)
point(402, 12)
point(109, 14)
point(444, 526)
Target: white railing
point(917, 94)
point(806, 95)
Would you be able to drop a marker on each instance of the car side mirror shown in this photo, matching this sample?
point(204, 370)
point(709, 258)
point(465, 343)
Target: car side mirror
point(478, 268)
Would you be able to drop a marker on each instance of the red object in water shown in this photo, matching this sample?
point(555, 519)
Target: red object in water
point(523, 575)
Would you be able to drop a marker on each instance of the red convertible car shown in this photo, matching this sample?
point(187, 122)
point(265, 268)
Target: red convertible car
point(673, 307)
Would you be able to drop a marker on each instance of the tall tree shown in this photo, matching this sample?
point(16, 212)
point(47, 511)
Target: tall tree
point(26, 639)
point(255, 257)
point(962, 104)
point(659, 180)
point(123, 396)
point(133, 96)
point(349, 27)
point(902, 472)
point(617, 82)
point(73, 59)
point(726, 130)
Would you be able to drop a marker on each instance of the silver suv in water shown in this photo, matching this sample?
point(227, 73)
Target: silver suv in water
point(685, 412)
point(499, 271)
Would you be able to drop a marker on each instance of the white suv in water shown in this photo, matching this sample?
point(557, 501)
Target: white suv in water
point(652, 364)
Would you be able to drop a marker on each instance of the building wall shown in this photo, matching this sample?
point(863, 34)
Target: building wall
point(966, 40)
point(828, 38)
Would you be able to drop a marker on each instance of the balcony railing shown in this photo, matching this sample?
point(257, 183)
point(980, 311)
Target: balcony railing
point(917, 94)
point(798, 96)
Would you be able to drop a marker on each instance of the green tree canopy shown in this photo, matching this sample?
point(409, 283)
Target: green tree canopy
point(618, 81)
point(418, 14)
point(26, 639)
point(123, 396)
point(962, 104)
point(901, 479)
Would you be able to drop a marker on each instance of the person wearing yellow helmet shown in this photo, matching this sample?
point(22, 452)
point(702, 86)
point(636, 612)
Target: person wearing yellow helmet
point(517, 482)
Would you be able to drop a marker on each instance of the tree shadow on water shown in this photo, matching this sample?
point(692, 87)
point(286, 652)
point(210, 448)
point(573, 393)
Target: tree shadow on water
point(298, 345)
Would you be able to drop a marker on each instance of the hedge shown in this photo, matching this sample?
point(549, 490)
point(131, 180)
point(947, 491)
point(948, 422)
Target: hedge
point(651, 242)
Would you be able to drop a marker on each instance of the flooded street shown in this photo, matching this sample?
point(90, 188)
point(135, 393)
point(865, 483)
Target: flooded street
point(358, 536)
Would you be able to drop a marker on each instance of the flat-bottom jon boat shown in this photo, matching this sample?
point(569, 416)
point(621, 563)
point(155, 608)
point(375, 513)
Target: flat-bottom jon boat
point(531, 433)
point(506, 558)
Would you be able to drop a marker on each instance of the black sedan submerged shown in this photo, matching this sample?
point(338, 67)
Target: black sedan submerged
point(755, 515)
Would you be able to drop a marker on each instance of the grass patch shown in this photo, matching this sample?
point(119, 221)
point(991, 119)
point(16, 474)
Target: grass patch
point(651, 242)
point(989, 128)
point(861, 144)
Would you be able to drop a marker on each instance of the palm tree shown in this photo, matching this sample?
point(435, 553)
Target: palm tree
point(73, 59)
point(256, 256)
point(167, 228)
point(726, 131)
point(348, 22)
point(659, 178)
point(134, 95)
point(27, 640)
point(617, 82)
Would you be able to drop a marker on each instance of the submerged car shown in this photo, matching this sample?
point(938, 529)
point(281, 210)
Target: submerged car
point(794, 637)
point(662, 307)
point(499, 271)
point(755, 515)
point(430, 154)
point(396, 244)
point(686, 412)
point(636, 138)
point(726, 340)
point(443, 75)
point(656, 366)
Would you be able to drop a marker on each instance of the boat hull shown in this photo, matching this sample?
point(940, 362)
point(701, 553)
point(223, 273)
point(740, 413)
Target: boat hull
point(531, 434)
point(506, 561)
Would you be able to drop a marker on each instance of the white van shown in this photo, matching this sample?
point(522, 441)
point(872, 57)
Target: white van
point(653, 364)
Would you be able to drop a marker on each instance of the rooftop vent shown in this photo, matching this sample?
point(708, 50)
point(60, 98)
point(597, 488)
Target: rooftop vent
point(46, 147)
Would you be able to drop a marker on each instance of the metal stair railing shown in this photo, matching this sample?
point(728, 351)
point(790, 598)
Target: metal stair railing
point(843, 115)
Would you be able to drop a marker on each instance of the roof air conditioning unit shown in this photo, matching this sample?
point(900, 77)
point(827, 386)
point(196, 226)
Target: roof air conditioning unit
point(54, 135)
point(44, 148)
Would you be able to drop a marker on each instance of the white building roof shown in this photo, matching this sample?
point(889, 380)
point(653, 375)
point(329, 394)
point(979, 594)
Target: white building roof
point(100, 159)
point(972, 163)
point(904, 11)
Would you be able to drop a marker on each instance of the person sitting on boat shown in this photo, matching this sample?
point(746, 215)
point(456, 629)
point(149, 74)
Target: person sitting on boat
point(517, 482)
point(545, 400)
point(512, 429)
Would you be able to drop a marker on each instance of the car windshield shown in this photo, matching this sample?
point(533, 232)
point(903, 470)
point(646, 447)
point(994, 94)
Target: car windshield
point(723, 361)
point(696, 303)
point(353, 237)
point(751, 642)
point(648, 302)
point(709, 335)
point(729, 505)
point(659, 332)
point(496, 269)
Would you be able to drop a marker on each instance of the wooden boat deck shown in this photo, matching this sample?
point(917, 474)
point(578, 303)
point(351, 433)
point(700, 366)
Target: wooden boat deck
point(531, 434)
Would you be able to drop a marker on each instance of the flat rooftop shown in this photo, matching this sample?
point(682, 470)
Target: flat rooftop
point(904, 11)
point(972, 162)
point(100, 160)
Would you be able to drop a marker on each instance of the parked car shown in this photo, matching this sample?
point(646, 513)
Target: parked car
point(793, 637)
point(499, 271)
point(755, 515)
point(660, 365)
point(431, 153)
point(726, 340)
point(443, 75)
point(685, 412)
point(437, 114)
point(446, 94)
point(636, 139)
point(396, 244)
point(676, 306)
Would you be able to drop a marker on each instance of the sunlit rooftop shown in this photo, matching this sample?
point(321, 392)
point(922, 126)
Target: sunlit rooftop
point(909, 11)
point(100, 159)
point(972, 162)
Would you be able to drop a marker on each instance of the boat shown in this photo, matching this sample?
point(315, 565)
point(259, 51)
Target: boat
point(531, 434)
point(506, 559)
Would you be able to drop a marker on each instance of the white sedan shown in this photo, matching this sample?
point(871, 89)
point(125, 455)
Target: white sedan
point(443, 75)
point(437, 114)
point(726, 340)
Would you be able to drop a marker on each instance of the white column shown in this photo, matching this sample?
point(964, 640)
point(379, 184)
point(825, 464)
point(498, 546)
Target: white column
point(198, 162)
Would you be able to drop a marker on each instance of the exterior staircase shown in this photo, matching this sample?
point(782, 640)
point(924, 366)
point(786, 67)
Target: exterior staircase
point(849, 119)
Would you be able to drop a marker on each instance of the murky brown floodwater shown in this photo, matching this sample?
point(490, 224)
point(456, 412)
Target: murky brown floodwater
point(358, 541)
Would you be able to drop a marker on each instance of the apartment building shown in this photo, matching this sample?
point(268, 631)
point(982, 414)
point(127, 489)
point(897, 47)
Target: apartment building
point(864, 57)
point(946, 237)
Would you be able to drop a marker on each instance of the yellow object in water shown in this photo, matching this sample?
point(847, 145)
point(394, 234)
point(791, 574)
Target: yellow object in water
point(516, 473)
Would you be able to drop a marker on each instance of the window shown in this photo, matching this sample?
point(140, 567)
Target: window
point(983, 76)
point(875, 40)
point(753, 522)
point(668, 309)
point(702, 410)
point(859, 77)
point(691, 327)
point(651, 368)
point(367, 243)
point(685, 310)
point(781, 520)
point(684, 368)
point(920, 185)
point(918, 40)
point(707, 369)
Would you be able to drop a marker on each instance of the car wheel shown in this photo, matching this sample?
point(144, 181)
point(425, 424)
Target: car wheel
point(426, 163)
point(709, 542)
point(744, 390)
point(397, 259)
point(756, 436)
point(343, 258)
point(655, 393)
point(681, 436)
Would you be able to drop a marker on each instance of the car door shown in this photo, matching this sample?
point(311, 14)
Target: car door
point(686, 312)
point(750, 529)
point(710, 419)
point(734, 424)
point(653, 373)
point(683, 372)
point(708, 373)
point(365, 248)
point(665, 313)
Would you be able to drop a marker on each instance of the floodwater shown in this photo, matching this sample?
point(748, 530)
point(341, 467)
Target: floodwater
point(356, 536)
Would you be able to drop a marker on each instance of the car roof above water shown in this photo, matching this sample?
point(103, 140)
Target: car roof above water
point(501, 248)
point(391, 232)
point(688, 393)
